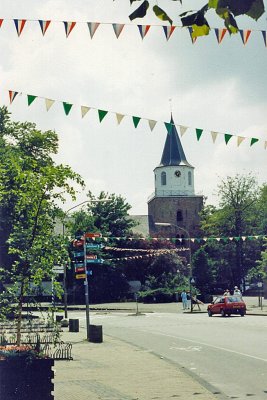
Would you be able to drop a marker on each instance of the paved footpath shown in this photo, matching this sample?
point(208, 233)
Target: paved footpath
point(115, 370)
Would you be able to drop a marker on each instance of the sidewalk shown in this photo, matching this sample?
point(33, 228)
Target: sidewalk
point(115, 370)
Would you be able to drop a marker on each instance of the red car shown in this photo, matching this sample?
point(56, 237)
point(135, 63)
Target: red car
point(227, 305)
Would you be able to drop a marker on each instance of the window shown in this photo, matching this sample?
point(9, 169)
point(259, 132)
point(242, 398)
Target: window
point(179, 215)
point(163, 178)
point(189, 178)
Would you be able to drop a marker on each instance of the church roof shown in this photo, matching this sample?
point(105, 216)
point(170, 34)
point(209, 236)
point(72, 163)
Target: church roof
point(173, 153)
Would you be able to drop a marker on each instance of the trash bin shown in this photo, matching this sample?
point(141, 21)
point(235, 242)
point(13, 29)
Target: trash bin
point(95, 334)
point(73, 325)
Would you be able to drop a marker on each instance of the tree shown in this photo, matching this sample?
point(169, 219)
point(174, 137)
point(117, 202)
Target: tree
point(237, 216)
point(31, 187)
point(228, 10)
point(202, 272)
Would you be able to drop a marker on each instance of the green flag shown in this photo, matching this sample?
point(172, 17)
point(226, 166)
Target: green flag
point(168, 126)
point(30, 99)
point(102, 114)
point(136, 121)
point(227, 137)
point(199, 133)
point(253, 140)
point(67, 107)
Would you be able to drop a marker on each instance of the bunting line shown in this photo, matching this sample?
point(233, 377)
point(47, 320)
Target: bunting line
point(136, 120)
point(205, 239)
point(117, 28)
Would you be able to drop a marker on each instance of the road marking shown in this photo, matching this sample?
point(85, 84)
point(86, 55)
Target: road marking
point(208, 345)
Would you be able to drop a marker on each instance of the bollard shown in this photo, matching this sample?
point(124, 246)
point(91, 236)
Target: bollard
point(73, 325)
point(95, 334)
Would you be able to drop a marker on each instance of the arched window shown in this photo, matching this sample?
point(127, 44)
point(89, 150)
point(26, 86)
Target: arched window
point(179, 215)
point(189, 178)
point(163, 178)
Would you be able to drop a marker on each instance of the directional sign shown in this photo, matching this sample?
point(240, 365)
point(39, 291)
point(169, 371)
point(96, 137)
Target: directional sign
point(91, 257)
point(58, 269)
point(94, 245)
point(96, 261)
point(79, 269)
point(77, 253)
point(92, 235)
point(80, 276)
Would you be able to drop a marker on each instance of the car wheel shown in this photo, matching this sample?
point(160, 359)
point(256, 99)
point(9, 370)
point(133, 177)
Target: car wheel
point(242, 314)
point(223, 313)
point(209, 313)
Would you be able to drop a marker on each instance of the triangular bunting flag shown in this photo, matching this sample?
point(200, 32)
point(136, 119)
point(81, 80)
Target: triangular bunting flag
point(93, 27)
point(183, 129)
point(168, 30)
point(136, 121)
point(220, 33)
point(44, 25)
point(117, 29)
point(1, 21)
point(68, 27)
point(84, 110)
point(119, 118)
point(240, 139)
point(227, 137)
point(152, 124)
point(30, 99)
point(49, 103)
point(253, 141)
point(102, 114)
point(244, 35)
point(199, 133)
point(67, 107)
point(143, 29)
point(12, 95)
point(19, 24)
point(168, 126)
point(214, 136)
point(264, 37)
point(190, 32)
point(243, 238)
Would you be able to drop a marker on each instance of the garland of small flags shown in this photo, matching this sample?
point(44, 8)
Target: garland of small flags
point(84, 109)
point(117, 29)
point(150, 251)
point(223, 239)
point(155, 254)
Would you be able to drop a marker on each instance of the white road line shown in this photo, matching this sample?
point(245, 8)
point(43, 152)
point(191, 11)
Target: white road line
point(208, 345)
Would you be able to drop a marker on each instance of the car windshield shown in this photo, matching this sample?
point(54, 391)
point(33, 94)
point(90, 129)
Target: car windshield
point(233, 299)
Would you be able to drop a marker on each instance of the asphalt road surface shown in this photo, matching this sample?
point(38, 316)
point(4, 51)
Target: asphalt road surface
point(230, 354)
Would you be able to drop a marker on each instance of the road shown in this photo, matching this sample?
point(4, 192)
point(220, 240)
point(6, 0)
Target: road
point(230, 354)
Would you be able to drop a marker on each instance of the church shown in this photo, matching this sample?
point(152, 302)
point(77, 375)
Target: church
point(173, 208)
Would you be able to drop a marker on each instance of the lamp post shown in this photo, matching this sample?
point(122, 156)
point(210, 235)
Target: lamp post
point(168, 224)
point(65, 265)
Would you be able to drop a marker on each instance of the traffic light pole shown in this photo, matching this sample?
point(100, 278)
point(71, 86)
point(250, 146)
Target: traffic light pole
point(86, 291)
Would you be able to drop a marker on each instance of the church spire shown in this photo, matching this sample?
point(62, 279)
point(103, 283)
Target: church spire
point(173, 153)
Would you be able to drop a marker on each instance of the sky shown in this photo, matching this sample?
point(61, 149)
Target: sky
point(206, 85)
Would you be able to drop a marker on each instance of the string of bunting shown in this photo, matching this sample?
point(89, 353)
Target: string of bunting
point(117, 28)
point(139, 257)
point(223, 239)
point(84, 109)
point(150, 251)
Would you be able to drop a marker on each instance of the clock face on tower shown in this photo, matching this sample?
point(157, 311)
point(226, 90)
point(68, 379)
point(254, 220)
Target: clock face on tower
point(177, 173)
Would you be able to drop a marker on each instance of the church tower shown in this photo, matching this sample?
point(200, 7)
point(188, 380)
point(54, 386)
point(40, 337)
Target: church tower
point(173, 209)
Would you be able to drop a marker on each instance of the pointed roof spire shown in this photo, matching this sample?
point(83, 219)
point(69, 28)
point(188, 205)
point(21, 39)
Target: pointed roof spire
point(173, 153)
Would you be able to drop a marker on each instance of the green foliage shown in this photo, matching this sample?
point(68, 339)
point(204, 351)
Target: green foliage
point(202, 271)
point(228, 10)
point(31, 187)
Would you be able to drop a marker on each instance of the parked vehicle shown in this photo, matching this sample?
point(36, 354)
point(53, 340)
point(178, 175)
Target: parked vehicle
point(227, 305)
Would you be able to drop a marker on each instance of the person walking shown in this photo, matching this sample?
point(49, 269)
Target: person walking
point(237, 292)
point(184, 299)
point(227, 293)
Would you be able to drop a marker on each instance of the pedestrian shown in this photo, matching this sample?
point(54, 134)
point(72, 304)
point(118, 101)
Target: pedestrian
point(227, 293)
point(184, 299)
point(237, 292)
point(188, 299)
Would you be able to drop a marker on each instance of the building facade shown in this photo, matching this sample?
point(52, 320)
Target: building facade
point(173, 208)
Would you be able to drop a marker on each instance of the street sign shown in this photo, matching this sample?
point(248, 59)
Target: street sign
point(80, 276)
point(79, 269)
point(58, 269)
point(77, 253)
point(92, 235)
point(94, 245)
point(96, 261)
point(91, 257)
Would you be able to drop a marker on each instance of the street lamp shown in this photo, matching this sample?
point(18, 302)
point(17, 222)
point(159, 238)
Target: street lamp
point(168, 224)
point(86, 276)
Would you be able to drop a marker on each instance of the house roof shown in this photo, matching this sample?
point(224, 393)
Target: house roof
point(173, 153)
